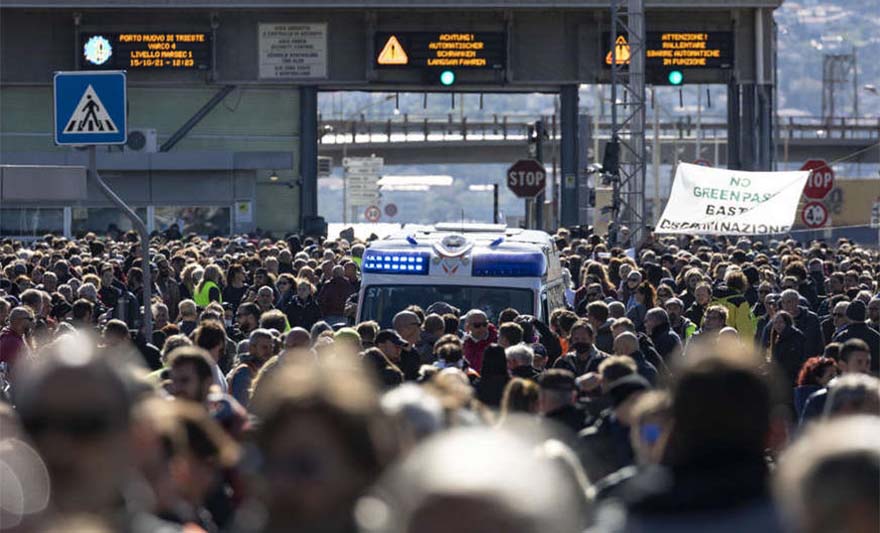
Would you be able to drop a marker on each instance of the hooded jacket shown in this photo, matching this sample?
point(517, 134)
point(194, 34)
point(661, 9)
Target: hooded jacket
point(739, 312)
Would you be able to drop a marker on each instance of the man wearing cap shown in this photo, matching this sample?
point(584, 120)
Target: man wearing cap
point(556, 400)
point(858, 328)
point(681, 325)
point(393, 346)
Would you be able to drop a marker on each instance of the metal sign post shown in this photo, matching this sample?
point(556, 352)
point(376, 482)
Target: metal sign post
point(141, 228)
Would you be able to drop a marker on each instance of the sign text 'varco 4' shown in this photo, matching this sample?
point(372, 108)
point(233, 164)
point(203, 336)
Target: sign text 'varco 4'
point(145, 50)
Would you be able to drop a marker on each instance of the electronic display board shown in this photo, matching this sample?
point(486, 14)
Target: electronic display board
point(678, 50)
point(145, 50)
point(441, 50)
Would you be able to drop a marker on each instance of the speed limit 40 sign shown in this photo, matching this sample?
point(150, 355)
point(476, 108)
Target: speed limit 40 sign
point(526, 178)
point(814, 214)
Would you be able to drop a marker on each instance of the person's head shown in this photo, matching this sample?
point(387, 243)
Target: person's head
point(827, 480)
point(518, 356)
point(713, 389)
point(853, 393)
point(664, 293)
point(211, 337)
point(519, 396)
point(674, 308)
point(790, 302)
point(817, 371)
point(557, 390)
point(838, 314)
point(261, 345)
point(368, 331)
point(616, 310)
point(476, 324)
point(856, 312)
point(645, 294)
point(651, 421)
point(593, 293)
point(116, 333)
point(434, 325)
point(187, 310)
point(494, 361)
point(622, 325)
point(21, 320)
point(273, 319)
point(173, 342)
point(581, 336)
point(265, 297)
point(391, 344)
point(297, 339)
point(190, 373)
point(655, 318)
point(597, 313)
point(781, 322)
point(248, 317)
point(323, 440)
point(510, 334)
point(736, 281)
point(408, 325)
point(874, 310)
point(507, 315)
point(633, 279)
point(487, 492)
point(855, 357)
point(703, 293)
point(615, 367)
point(626, 344)
point(74, 406)
point(715, 318)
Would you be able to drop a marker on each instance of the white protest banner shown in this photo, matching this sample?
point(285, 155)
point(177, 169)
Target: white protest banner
point(715, 201)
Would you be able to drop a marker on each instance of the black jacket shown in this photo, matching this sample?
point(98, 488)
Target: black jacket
point(666, 342)
point(788, 352)
point(604, 338)
point(694, 313)
point(568, 416)
point(491, 388)
point(302, 314)
point(578, 366)
point(526, 372)
point(808, 323)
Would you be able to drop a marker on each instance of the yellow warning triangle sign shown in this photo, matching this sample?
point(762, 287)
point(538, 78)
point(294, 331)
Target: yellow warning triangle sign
point(621, 50)
point(392, 53)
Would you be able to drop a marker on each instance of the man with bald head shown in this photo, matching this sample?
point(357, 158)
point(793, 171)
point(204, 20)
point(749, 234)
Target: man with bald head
point(627, 343)
point(297, 339)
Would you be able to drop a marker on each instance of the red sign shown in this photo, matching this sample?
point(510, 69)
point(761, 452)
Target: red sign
point(526, 178)
point(372, 214)
point(821, 179)
point(390, 210)
point(814, 214)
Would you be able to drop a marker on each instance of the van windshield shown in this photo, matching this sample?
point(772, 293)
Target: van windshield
point(382, 302)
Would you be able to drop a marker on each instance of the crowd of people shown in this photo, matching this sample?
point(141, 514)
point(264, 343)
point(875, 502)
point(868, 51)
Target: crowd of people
point(689, 384)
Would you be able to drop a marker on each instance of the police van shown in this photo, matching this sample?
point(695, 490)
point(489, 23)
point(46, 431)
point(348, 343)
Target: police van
point(469, 266)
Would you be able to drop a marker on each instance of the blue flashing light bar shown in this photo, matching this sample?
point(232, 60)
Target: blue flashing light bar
point(509, 265)
point(394, 262)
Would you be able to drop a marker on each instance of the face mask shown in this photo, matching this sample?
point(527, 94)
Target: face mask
point(581, 347)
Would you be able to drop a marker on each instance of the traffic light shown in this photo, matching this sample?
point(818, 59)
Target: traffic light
point(447, 78)
point(675, 77)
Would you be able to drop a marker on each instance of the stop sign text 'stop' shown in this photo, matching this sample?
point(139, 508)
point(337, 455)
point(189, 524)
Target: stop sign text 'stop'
point(526, 178)
point(821, 179)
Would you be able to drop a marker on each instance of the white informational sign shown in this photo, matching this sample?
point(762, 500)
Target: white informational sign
point(715, 201)
point(362, 176)
point(293, 51)
point(244, 212)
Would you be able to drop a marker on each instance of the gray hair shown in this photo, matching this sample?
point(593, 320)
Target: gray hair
point(472, 314)
point(260, 333)
point(853, 393)
point(87, 291)
point(831, 471)
point(419, 410)
point(520, 354)
point(790, 294)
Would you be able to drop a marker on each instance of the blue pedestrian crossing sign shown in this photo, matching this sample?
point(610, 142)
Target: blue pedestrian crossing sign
point(90, 108)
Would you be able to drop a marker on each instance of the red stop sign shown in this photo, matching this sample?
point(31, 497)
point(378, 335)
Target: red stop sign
point(526, 178)
point(821, 179)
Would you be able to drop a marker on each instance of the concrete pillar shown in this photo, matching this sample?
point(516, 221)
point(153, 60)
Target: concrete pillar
point(733, 126)
point(308, 158)
point(568, 149)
